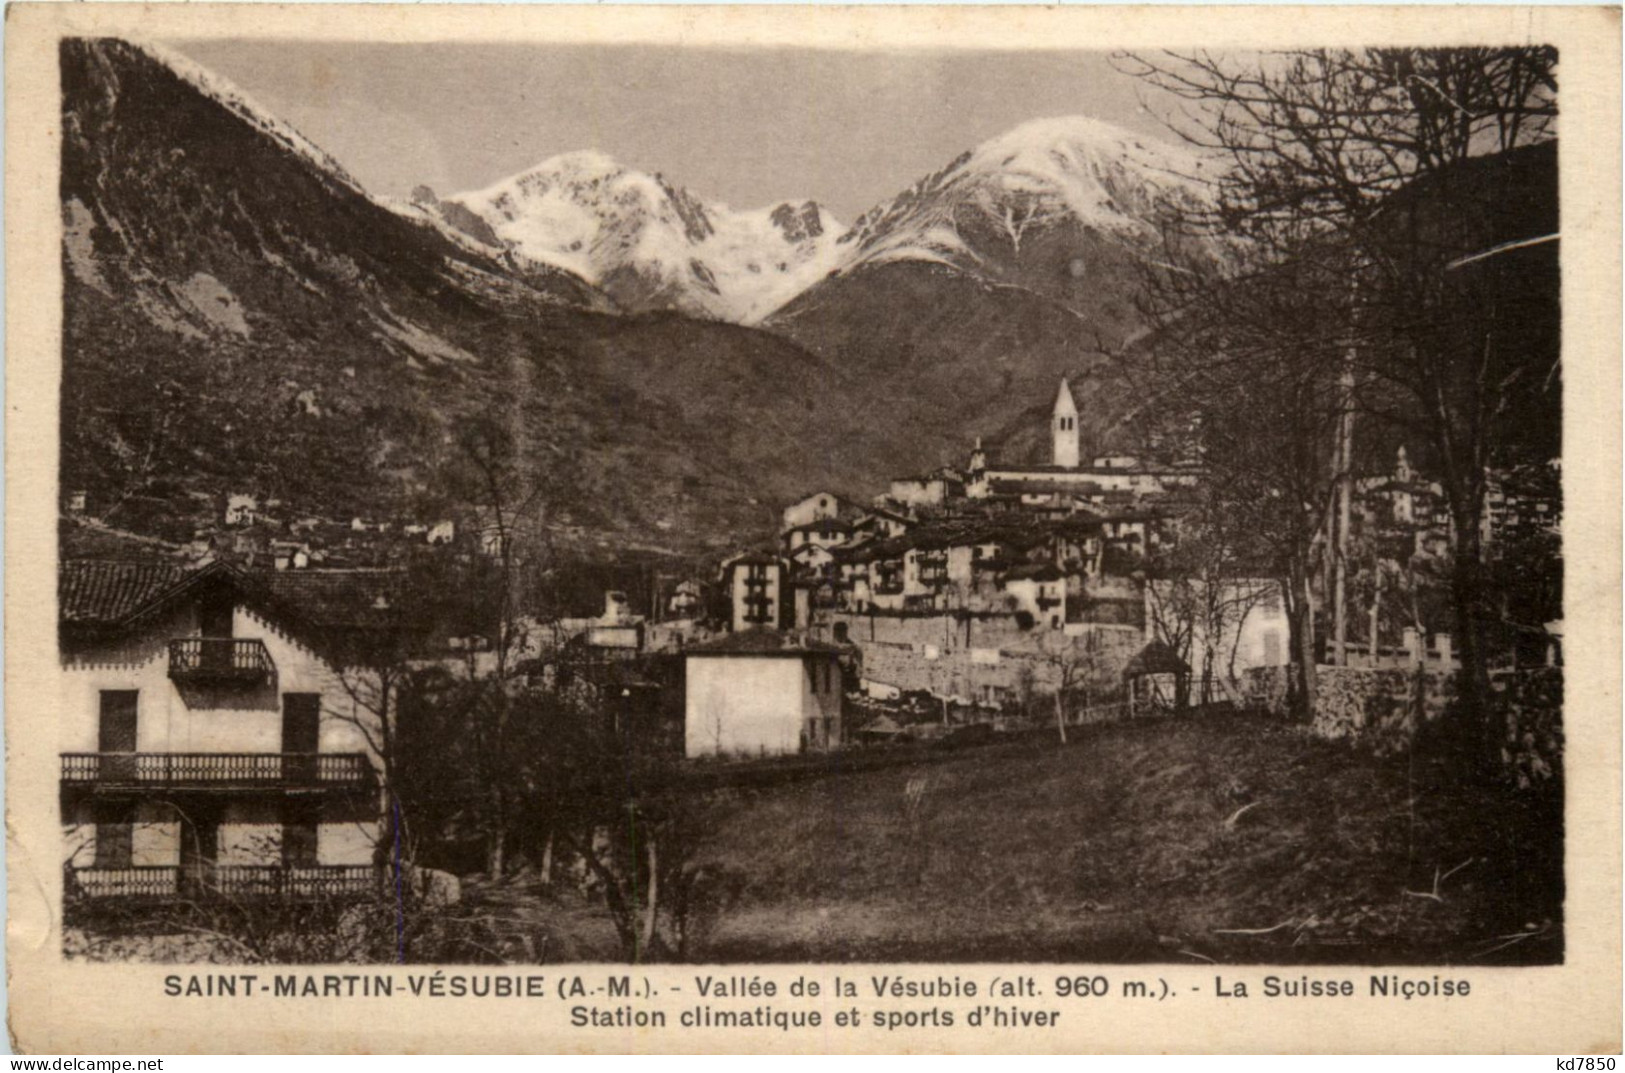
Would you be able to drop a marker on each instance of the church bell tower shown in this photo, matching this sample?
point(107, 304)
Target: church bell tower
point(1064, 428)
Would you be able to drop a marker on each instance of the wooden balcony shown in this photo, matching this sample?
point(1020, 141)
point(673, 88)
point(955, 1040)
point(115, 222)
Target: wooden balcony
point(220, 661)
point(216, 771)
point(168, 883)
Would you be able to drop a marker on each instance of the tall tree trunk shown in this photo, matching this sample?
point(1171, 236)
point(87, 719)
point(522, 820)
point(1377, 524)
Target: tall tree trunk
point(1302, 626)
point(651, 899)
point(496, 838)
point(1473, 691)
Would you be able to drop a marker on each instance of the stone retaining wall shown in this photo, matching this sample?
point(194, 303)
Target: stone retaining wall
point(1378, 707)
point(952, 657)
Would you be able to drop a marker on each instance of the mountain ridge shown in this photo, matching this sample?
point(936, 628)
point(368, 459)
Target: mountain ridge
point(653, 244)
point(649, 243)
point(241, 317)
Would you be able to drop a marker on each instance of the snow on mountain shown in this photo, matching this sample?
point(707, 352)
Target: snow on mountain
point(238, 102)
point(651, 244)
point(1071, 169)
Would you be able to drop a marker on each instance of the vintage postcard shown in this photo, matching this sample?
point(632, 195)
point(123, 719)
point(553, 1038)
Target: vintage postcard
point(812, 529)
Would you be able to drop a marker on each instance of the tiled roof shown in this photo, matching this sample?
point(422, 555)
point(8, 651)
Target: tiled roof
point(97, 591)
point(1035, 572)
point(752, 558)
point(1155, 658)
point(92, 592)
point(825, 525)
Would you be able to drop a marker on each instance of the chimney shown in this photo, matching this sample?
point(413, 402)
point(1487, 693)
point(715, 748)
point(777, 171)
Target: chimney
point(1412, 644)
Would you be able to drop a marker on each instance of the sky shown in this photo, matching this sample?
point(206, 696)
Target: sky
point(749, 128)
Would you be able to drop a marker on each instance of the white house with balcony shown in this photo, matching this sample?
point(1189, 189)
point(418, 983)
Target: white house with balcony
point(214, 731)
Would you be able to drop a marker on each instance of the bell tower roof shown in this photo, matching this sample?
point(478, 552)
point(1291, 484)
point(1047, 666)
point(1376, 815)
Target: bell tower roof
point(1064, 403)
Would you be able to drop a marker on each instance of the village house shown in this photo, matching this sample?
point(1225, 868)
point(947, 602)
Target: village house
point(885, 577)
point(761, 692)
point(687, 600)
point(290, 554)
point(759, 593)
point(925, 572)
point(241, 509)
point(1513, 511)
point(1405, 513)
point(442, 532)
point(495, 542)
point(821, 533)
point(879, 523)
point(214, 730)
point(819, 506)
point(617, 629)
point(1039, 589)
point(930, 491)
point(1236, 626)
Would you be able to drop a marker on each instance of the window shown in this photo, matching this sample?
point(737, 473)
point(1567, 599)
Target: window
point(300, 820)
point(1272, 649)
point(116, 729)
point(301, 722)
point(115, 834)
point(215, 615)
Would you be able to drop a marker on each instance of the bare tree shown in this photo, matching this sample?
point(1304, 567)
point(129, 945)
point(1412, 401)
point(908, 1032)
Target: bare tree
point(1078, 670)
point(1363, 163)
point(500, 577)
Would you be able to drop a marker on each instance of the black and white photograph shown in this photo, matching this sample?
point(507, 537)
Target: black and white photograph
point(812, 529)
point(537, 503)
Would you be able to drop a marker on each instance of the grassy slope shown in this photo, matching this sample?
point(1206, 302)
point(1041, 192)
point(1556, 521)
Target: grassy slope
point(1117, 848)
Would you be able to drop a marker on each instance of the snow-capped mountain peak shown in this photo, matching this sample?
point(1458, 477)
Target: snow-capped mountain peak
point(1071, 169)
point(653, 244)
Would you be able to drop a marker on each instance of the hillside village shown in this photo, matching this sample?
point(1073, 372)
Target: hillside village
point(1003, 595)
point(958, 608)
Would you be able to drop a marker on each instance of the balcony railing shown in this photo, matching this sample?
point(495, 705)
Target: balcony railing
point(151, 883)
point(216, 771)
point(220, 660)
point(220, 882)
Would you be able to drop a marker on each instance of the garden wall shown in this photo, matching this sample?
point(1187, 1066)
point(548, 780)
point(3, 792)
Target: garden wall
point(984, 658)
point(1378, 706)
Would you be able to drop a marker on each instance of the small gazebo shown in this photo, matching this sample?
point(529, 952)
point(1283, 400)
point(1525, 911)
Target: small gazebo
point(1152, 675)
